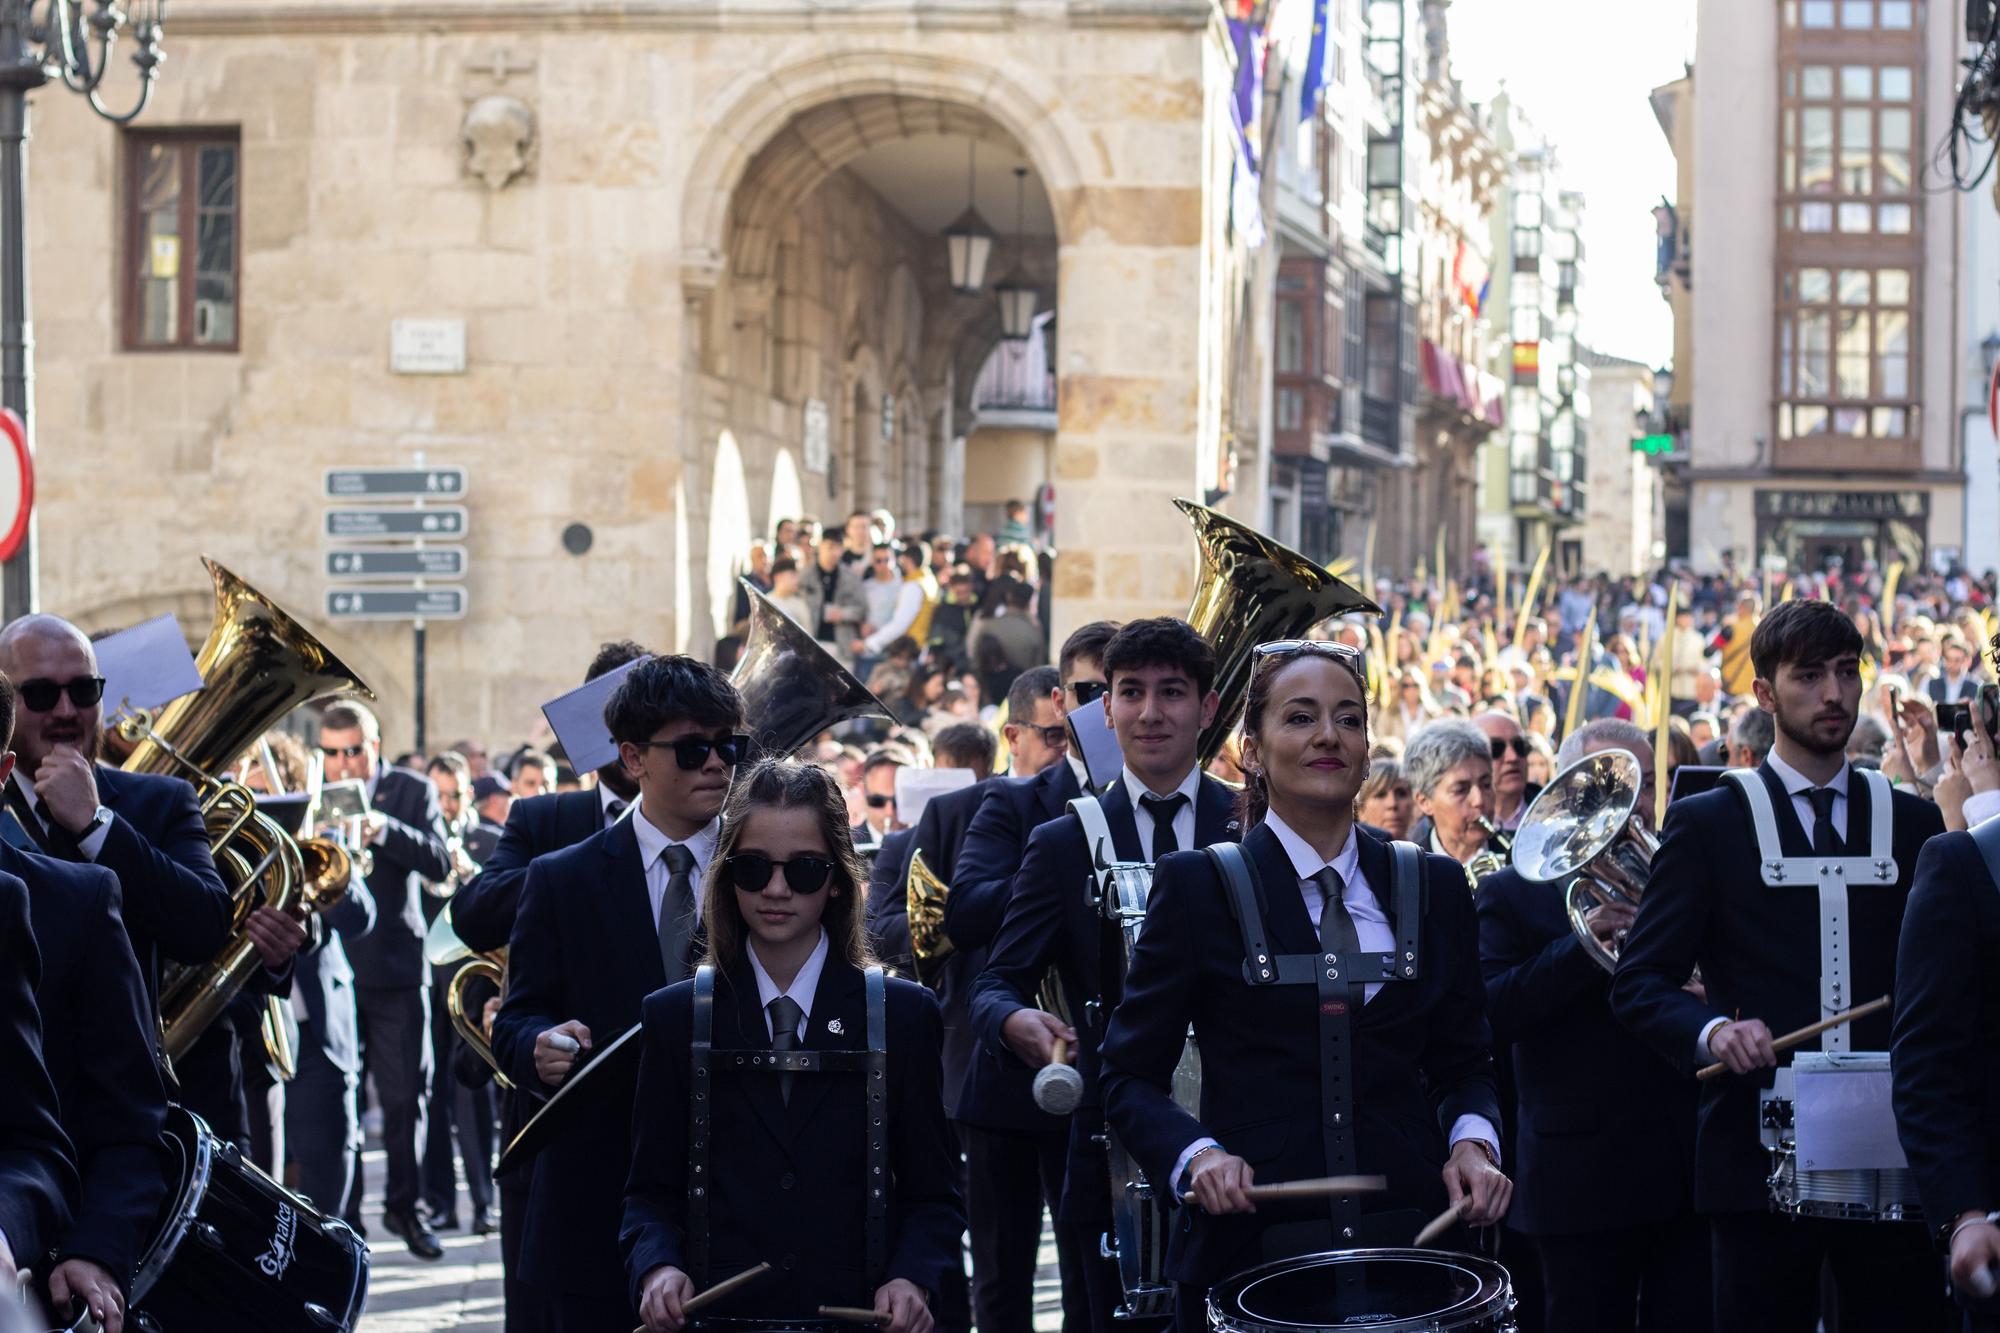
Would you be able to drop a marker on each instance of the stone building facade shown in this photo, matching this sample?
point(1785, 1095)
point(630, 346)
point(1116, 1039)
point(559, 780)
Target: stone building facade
point(681, 237)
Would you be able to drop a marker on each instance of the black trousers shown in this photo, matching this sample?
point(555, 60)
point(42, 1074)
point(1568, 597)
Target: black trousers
point(396, 1054)
point(211, 1079)
point(597, 1312)
point(1009, 1176)
point(1887, 1277)
point(1654, 1278)
point(322, 1124)
point(526, 1307)
point(454, 1108)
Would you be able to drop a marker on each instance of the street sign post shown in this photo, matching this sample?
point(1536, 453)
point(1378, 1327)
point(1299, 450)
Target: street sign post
point(396, 562)
point(432, 523)
point(396, 603)
point(395, 483)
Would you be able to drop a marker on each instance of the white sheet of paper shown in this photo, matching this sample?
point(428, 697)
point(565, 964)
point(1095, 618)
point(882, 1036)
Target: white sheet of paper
point(146, 666)
point(1842, 1120)
point(577, 718)
point(1091, 726)
point(915, 787)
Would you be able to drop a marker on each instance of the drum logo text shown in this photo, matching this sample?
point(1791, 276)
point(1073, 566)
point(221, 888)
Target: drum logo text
point(277, 1256)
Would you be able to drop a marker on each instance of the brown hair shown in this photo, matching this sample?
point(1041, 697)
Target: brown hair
point(1255, 799)
point(786, 784)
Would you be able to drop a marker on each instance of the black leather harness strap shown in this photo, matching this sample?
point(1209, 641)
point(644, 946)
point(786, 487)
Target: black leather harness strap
point(872, 1064)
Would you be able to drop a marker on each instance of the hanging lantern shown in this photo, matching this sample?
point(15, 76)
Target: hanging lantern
point(968, 242)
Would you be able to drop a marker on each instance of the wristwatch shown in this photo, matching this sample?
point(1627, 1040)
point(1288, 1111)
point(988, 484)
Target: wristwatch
point(98, 819)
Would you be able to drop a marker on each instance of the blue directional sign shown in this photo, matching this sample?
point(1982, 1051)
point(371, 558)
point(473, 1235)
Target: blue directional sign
point(395, 483)
point(397, 524)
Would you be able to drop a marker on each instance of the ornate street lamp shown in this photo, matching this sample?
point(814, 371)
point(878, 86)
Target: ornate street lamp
point(968, 242)
point(39, 40)
point(1017, 297)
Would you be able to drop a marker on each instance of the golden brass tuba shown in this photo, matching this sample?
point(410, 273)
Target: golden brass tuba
point(257, 665)
point(471, 1028)
point(1252, 590)
point(926, 894)
point(1586, 827)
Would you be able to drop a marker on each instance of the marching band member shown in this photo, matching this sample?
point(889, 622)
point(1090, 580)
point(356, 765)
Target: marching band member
point(794, 1161)
point(602, 925)
point(1302, 1076)
point(1449, 763)
point(1947, 1028)
point(38, 1185)
point(1777, 954)
point(1161, 675)
point(1588, 1092)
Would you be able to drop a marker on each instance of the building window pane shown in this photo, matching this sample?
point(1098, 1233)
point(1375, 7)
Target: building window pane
point(1854, 286)
point(1851, 357)
point(1816, 217)
point(1895, 219)
point(1850, 421)
point(1896, 14)
point(1291, 338)
point(1784, 357)
point(1857, 135)
point(1291, 409)
point(1818, 82)
point(1895, 83)
point(1891, 423)
point(159, 216)
point(1895, 157)
point(1857, 13)
point(1815, 285)
point(1816, 162)
point(1892, 348)
point(1808, 419)
point(1857, 83)
point(1817, 13)
point(1892, 286)
point(183, 233)
point(1815, 353)
point(1855, 217)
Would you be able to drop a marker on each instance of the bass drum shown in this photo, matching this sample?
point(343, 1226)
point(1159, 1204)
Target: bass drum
point(1383, 1291)
point(236, 1250)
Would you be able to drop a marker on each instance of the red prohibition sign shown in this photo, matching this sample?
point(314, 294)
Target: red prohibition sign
point(17, 484)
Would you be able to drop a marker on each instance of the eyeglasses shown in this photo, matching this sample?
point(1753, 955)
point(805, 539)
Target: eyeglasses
point(1519, 745)
point(342, 751)
point(1055, 737)
point(40, 694)
point(876, 800)
point(751, 871)
point(691, 752)
point(1283, 650)
point(1088, 691)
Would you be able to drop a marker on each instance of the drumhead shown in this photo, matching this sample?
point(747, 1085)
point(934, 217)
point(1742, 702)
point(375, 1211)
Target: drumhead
point(1389, 1291)
point(190, 1153)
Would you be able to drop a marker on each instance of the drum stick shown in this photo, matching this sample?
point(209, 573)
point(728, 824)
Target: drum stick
point(854, 1314)
point(562, 1041)
point(701, 1300)
point(1323, 1188)
point(1441, 1223)
point(1805, 1034)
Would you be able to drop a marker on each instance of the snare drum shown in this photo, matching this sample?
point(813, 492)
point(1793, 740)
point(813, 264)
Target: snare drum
point(234, 1249)
point(1854, 1194)
point(1385, 1291)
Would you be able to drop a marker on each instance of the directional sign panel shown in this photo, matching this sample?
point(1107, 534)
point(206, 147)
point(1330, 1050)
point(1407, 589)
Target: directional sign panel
point(362, 525)
point(395, 483)
point(396, 562)
point(446, 603)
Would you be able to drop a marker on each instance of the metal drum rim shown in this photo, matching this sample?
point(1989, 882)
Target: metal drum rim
point(187, 1203)
point(1492, 1299)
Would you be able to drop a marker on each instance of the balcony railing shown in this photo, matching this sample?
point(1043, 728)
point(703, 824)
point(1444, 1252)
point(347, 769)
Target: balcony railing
point(1016, 379)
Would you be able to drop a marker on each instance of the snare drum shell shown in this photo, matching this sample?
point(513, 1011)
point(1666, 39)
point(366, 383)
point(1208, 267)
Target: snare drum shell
point(1380, 1291)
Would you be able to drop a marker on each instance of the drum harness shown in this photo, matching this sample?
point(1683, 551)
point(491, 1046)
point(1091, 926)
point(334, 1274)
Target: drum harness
point(873, 1063)
point(1339, 980)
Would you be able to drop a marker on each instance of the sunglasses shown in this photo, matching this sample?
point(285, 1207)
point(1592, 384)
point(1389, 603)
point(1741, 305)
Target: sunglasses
point(691, 752)
point(876, 800)
point(1284, 650)
point(1056, 737)
point(1519, 745)
point(1088, 691)
point(751, 871)
point(343, 751)
point(40, 694)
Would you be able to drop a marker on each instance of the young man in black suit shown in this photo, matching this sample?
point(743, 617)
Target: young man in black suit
point(1161, 675)
point(322, 1102)
point(38, 1183)
point(964, 745)
point(1587, 1091)
point(602, 925)
point(404, 830)
point(1778, 951)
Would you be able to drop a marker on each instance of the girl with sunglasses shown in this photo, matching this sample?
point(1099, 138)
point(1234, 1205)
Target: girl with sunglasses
point(1381, 1070)
point(789, 1107)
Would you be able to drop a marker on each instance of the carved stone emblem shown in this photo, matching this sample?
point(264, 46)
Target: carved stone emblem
point(499, 134)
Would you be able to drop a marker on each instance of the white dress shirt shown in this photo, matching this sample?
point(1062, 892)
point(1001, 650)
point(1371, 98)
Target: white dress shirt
point(1980, 807)
point(1375, 934)
point(606, 799)
point(804, 986)
point(1183, 817)
point(652, 847)
point(89, 846)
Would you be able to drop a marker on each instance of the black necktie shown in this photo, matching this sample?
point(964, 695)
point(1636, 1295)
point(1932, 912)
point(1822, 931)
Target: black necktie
point(613, 811)
point(677, 914)
point(1163, 809)
point(1826, 841)
point(62, 842)
point(785, 1016)
point(1337, 934)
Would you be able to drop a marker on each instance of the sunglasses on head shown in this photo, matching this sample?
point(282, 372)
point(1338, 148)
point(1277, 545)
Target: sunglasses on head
point(1087, 691)
point(1519, 745)
point(1285, 650)
point(343, 751)
point(691, 752)
point(40, 694)
point(751, 871)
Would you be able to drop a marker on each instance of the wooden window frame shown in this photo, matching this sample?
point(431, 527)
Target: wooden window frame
point(188, 142)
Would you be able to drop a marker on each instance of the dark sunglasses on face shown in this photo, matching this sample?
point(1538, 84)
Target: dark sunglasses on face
point(691, 752)
point(1519, 745)
point(876, 800)
point(40, 694)
point(751, 871)
point(1056, 737)
point(1087, 691)
point(343, 751)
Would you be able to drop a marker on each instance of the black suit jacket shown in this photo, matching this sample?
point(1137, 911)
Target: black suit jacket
point(411, 852)
point(1589, 1092)
point(788, 1178)
point(888, 912)
point(585, 947)
point(1758, 948)
point(38, 1183)
point(482, 911)
point(1419, 1047)
point(989, 856)
point(176, 906)
point(1050, 922)
point(98, 1042)
point(1947, 1025)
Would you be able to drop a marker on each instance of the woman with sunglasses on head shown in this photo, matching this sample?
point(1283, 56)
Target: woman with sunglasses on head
point(1380, 1071)
point(840, 1173)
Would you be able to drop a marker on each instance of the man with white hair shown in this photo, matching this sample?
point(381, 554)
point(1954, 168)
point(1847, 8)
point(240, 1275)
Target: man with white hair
point(1588, 1091)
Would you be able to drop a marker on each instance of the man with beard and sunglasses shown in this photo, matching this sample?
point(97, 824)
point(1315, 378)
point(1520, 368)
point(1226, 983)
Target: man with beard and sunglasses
point(1512, 792)
point(404, 832)
point(601, 926)
point(1784, 935)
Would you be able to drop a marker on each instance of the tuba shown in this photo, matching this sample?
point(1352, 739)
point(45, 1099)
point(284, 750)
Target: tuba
point(1586, 828)
point(1251, 590)
point(925, 894)
point(257, 665)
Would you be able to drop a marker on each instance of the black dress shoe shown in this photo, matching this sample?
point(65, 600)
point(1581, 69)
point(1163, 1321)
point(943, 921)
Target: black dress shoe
point(416, 1233)
point(443, 1219)
point(482, 1221)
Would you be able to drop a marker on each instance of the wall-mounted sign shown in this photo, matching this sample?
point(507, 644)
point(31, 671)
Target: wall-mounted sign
point(427, 346)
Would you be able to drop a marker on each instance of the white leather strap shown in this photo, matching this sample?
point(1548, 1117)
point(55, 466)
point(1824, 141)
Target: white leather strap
point(1096, 837)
